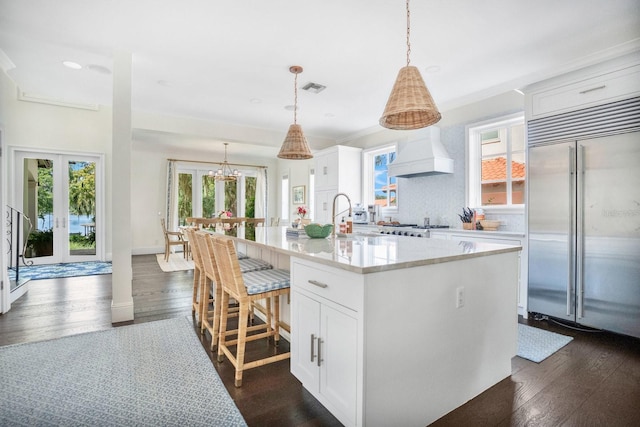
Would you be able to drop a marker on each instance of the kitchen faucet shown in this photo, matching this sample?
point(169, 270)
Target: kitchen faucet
point(333, 211)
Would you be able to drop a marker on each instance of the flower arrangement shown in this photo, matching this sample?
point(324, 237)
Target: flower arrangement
point(225, 214)
point(302, 211)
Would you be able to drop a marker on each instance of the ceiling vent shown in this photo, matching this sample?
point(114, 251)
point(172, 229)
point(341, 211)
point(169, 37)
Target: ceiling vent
point(313, 87)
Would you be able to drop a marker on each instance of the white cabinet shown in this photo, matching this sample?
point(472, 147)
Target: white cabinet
point(348, 350)
point(504, 238)
point(338, 169)
point(596, 85)
point(324, 341)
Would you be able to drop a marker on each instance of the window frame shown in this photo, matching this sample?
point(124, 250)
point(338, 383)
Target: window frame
point(368, 177)
point(197, 172)
point(473, 160)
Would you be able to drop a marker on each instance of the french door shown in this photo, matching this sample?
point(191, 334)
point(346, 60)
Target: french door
point(62, 196)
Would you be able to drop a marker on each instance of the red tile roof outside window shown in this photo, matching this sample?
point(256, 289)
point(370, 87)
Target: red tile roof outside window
point(496, 169)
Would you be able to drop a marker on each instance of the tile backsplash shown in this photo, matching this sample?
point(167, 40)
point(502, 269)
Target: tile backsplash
point(441, 197)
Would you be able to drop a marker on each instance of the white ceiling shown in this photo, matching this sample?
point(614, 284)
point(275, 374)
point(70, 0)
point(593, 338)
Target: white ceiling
point(210, 59)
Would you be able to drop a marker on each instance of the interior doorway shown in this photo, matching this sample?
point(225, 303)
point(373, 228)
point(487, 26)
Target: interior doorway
point(61, 194)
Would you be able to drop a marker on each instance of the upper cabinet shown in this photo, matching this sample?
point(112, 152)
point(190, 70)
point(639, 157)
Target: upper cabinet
point(596, 85)
point(337, 164)
point(338, 169)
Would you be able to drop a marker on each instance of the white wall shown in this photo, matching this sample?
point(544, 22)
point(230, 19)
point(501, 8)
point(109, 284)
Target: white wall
point(149, 175)
point(441, 197)
point(298, 171)
point(29, 125)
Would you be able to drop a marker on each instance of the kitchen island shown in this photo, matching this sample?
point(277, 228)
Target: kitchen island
point(392, 330)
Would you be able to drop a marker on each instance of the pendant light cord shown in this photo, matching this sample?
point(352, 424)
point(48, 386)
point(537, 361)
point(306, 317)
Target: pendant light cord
point(295, 99)
point(408, 33)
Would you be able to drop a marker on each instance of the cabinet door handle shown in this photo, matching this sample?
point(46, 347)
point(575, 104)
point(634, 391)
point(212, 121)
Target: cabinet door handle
point(324, 170)
point(319, 351)
point(318, 284)
point(313, 338)
point(582, 92)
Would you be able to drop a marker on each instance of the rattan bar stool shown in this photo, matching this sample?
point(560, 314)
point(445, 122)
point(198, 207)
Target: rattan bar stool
point(210, 318)
point(198, 276)
point(245, 289)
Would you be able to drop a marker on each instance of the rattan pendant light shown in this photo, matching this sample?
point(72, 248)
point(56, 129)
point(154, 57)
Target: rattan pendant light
point(295, 145)
point(410, 105)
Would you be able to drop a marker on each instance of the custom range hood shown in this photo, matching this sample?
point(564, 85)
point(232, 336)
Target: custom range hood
point(423, 155)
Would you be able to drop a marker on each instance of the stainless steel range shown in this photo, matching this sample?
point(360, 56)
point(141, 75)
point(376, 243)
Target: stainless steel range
point(412, 230)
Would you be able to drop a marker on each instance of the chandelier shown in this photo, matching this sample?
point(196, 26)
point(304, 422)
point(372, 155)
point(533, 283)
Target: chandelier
point(295, 145)
point(410, 105)
point(224, 172)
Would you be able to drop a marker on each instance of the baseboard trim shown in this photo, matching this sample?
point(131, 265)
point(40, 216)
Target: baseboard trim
point(122, 312)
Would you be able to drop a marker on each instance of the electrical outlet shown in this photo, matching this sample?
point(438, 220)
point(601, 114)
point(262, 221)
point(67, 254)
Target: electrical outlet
point(460, 297)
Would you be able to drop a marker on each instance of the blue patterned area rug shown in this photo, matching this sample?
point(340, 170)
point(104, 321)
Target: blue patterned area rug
point(150, 374)
point(537, 344)
point(70, 269)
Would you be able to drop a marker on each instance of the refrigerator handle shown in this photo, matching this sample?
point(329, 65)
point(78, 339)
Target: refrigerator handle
point(580, 232)
point(571, 233)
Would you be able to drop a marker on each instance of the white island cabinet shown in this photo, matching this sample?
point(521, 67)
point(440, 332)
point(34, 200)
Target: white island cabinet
point(324, 341)
point(393, 330)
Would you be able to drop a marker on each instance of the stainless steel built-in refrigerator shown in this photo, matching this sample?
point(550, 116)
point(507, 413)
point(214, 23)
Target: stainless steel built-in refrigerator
point(584, 217)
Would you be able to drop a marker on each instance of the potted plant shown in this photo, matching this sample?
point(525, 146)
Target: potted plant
point(302, 213)
point(42, 242)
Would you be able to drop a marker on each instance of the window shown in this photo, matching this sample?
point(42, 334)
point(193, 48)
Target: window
point(380, 188)
point(312, 193)
point(200, 195)
point(284, 191)
point(496, 163)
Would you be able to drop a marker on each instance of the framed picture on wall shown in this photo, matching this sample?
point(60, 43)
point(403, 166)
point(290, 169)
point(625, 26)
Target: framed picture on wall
point(298, 195)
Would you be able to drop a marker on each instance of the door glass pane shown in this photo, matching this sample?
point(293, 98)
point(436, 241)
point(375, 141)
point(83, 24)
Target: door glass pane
point(230, 197)
point(38, 206)
point(208, 196)
point(185, 197)
point(82, 208)
point(250, 196)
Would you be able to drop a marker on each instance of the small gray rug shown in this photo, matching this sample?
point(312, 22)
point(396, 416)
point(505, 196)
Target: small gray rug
point(151, 374)
point(537, 344)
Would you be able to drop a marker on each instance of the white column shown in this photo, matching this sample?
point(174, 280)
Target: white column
point(122, 300)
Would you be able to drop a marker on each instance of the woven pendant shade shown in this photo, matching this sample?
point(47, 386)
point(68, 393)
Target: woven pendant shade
point(410, 105)
point(295, 145)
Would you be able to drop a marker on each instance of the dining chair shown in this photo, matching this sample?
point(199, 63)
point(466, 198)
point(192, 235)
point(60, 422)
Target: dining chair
point(245, 289)
point(173, 238)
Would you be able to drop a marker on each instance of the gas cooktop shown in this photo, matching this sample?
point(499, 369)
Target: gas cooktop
point(413, 230)
point(416, 226)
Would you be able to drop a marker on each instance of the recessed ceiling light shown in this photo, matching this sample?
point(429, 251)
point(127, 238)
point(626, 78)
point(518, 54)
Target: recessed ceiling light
point(101, 69)
point(72, 65)
point(432, 69)
point(255, 101)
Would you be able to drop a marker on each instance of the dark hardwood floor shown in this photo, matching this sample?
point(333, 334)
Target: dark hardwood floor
point(593, 381)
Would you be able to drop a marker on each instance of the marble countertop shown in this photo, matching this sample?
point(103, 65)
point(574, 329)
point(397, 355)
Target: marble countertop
point(368, 252)
point(480, 232)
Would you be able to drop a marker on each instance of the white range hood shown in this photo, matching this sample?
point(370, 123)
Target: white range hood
point(422, 156)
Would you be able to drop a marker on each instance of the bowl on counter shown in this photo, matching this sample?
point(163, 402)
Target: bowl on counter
point(489, 225)
point(318, 231)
